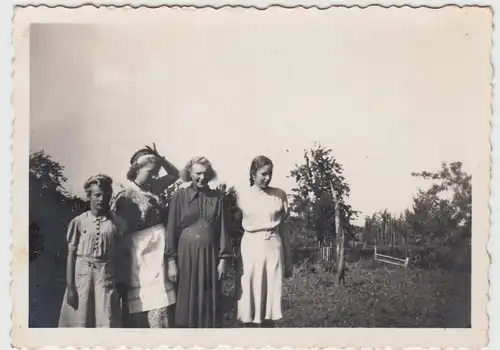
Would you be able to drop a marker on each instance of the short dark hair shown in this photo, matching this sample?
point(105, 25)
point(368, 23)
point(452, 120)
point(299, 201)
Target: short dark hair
point(104, 182)
point(257, 163)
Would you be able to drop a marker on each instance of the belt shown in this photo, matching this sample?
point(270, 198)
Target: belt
point(92, 259)
point(268, 233)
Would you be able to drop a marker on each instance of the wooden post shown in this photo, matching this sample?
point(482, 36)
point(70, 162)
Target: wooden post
point(339, 239)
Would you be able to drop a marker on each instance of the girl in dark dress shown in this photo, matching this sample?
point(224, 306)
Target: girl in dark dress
point(197, 248)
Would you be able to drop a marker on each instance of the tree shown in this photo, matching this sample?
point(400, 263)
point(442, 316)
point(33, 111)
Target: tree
point(51, 207)
point(313, 194)
point(442, 214)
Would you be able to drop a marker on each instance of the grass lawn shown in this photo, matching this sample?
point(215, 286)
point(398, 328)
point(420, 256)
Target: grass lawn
point(375, 295)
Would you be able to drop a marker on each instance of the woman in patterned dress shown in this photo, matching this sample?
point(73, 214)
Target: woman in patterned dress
point(265, 247)
point(197, 248)
point(146, 291)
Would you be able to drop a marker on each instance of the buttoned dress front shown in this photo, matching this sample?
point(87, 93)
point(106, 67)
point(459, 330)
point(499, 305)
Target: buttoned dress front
point(94, 240)
point(197, 239)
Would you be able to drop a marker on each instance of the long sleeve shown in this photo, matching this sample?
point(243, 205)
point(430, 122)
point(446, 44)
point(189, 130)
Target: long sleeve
point(173, 227)
point(225, 246)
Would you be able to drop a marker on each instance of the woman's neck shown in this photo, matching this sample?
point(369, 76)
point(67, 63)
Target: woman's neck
point(259, 189)
point(142, 185)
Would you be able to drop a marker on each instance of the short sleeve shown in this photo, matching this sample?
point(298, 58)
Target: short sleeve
point(73, 234)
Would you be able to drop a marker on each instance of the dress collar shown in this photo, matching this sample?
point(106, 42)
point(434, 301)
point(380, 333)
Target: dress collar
point(135, 186)
point(194, 192)
point(100, 218)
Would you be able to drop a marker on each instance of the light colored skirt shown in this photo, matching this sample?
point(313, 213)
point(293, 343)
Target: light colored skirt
point(148, 286)
point(261, 281)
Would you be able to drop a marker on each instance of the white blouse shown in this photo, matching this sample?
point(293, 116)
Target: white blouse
point(262, 209)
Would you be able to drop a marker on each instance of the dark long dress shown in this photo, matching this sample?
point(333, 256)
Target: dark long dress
point(197, 239)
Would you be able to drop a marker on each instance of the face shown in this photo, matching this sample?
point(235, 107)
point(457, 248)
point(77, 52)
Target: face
point(99, 199)
point(146, 174)
point(263, 176)
point(199, 175)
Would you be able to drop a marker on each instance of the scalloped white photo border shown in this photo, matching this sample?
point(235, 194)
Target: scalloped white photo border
point(254, 336)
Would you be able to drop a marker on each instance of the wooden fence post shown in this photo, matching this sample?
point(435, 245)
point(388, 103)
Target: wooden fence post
point(340, 237)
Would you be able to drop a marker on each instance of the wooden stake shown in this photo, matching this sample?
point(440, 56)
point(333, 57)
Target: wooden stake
point(340, 238)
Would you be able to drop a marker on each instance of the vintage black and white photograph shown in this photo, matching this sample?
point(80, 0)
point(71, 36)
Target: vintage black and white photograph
point(235, 168)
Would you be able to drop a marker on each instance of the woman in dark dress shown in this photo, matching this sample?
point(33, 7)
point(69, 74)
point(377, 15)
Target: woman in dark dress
point(197, 248)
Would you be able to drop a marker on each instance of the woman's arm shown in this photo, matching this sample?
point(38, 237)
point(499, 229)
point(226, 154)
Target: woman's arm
point(171, 240)
point(285, 238)
point(172, 227)
point(225, 246)
point(166, 181)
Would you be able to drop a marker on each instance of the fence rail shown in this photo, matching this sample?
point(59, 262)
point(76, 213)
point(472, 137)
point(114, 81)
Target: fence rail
point(326, 253)
point(390, 259)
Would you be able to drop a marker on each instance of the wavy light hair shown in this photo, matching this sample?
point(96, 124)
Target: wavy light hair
point(185, 174)
point(102, 181)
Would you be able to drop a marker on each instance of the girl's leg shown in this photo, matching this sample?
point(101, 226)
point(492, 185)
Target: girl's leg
point(106, 297)
point(70, 317)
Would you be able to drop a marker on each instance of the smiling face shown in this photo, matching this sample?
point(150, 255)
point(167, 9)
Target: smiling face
point(199, 175)
point(263, 176)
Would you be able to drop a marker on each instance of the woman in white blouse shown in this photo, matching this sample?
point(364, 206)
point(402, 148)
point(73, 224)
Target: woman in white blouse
point(265, 247)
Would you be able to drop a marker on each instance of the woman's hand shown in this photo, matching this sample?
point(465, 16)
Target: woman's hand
point(172, 271)
point(221, 268)
point(72, 297)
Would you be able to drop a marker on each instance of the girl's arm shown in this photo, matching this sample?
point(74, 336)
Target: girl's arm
point(73, 238)
point(70, 269)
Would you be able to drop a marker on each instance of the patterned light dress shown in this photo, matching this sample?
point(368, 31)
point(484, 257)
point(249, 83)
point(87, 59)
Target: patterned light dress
point(143, 267)
point(262, 255)
point(197, 238)
point(95, 241)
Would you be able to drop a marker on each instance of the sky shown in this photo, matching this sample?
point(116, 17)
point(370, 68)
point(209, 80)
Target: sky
point(390, 94)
